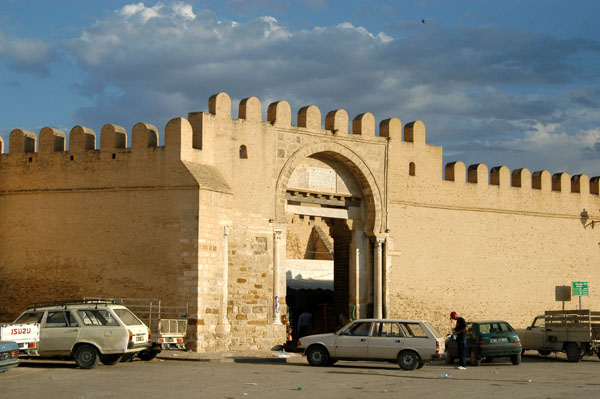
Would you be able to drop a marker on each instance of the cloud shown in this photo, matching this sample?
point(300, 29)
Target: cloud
point(27, 55)
point(475, 87)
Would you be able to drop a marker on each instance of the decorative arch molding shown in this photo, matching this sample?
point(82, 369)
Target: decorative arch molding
point(354, 162)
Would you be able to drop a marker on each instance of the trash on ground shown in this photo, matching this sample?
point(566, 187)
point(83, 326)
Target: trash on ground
point(446, 375)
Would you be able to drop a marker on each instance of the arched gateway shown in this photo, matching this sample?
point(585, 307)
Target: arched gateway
point(326, 194)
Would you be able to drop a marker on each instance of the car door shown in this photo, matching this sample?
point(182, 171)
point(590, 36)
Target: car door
point(536, 334)
point(386, 340)
point(59, 333)
point(353, 342)
point(418, 340)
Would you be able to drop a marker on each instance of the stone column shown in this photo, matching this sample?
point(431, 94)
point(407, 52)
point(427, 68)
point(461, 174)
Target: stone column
point(277, 232)
point(378, 277)
point(223, 325)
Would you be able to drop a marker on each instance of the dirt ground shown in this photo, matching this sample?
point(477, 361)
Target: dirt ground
point(253, 377)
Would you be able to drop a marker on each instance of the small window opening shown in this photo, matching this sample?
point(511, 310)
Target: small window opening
point(243, 152)
point(114, 156)
point(30, 159)
point(411, 169)
point(72, 157)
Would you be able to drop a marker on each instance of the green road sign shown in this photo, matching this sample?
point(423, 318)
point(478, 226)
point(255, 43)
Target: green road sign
point(580, 288)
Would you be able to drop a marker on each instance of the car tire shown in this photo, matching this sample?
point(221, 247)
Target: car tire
point(544, 352)
point(331, 362)
point(573, 352)
point(86, 356)
point(317, 355)
point(127, 357)
point(515, 359)
point(109, 360)
point(474, 359)
point(449, 359)
point(147, 355)
point(408, 360)
point(420, 365)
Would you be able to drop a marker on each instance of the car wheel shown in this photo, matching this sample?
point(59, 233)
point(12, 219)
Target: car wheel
point(331, 362)
point(420, 365)
point(86, 356)
point(147, 355)
point(449, 360)
point(544, 352)
point(573, 352)
point(127, 357)
point(317, 356)
point(109, 360)
point(408, 360)
point(474, 359)
point(516, 359)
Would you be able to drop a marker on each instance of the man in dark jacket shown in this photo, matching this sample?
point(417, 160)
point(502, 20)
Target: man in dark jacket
point(461, 339)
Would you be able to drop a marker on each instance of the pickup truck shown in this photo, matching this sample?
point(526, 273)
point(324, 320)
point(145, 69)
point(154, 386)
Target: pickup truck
point(26, 335)
point(574, 332)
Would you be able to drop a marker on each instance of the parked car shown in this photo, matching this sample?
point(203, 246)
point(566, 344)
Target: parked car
point(410, 343)
point(89, 331)
point(9, 355)
point(487, 340)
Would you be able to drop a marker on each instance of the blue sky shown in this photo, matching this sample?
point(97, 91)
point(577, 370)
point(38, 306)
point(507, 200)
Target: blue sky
point(513, 83)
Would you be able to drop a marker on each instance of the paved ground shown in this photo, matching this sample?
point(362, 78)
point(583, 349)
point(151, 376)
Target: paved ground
point(267, 375)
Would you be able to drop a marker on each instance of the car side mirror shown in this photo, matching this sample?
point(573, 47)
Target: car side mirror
point(529, 328)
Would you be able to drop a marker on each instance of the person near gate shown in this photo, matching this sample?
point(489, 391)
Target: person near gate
point(460, 329)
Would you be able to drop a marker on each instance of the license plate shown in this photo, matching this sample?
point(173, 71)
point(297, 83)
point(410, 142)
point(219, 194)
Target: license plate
point(495, 340)
point(139, 338)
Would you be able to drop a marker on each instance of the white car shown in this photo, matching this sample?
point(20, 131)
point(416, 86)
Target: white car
point(410, 343)
point(88, 331)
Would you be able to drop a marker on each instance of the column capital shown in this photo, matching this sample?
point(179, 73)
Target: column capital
point(226, 230)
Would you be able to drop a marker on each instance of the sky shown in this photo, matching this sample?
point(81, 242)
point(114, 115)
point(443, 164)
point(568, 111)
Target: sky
point(513, 83)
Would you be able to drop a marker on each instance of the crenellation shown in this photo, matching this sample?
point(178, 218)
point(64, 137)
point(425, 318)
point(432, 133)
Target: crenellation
point(1, 145)
point(561, 182)
point(112, 137)
point(415, 132)
point(500, 176)
point(364, 124)
point(144, 135)
point(580, 184)
point(250, 109)
point(22, 141)
point(478, 173)
point(541, 180)
point(309, 117)
point(52, 140)
point(220, 105)
point(595, 185)
point(337, 121)
point(521, 178)
point(280, 114)
point(81, 139)
point(391, 127)
point(456, 172)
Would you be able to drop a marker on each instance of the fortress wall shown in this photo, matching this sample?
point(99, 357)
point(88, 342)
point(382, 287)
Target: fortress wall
point(486, 265)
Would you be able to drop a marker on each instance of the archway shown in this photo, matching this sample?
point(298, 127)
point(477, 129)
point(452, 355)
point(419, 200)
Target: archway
point(331, 206)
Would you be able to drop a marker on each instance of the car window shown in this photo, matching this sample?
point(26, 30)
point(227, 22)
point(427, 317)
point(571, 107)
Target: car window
point(97, 317)
point(413, 330)
point(539, 322)
point(30, 317)
point(387, 329)
point(358, 329)
point(71, 320)
point(485, 328)
point(56, 319)
point(127, 317)
point(504, 327)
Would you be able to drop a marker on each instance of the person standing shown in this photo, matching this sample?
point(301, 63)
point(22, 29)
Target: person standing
point(304, 322)
point(460, 329)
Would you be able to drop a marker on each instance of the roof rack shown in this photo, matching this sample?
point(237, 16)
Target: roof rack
point(93, 301)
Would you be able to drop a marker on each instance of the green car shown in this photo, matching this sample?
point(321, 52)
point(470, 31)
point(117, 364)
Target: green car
point(487, 340)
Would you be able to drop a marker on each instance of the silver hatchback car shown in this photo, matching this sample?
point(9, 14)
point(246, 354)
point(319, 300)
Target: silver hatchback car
point(410, 343)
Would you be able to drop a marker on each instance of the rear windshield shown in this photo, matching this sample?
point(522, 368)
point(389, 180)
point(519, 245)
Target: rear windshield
point(30, 317)
point(127, 317)
point(493, 328)
point(433, 330)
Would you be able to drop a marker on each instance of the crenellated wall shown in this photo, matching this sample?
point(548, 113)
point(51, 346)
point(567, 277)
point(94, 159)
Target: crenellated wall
point(109, 218)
